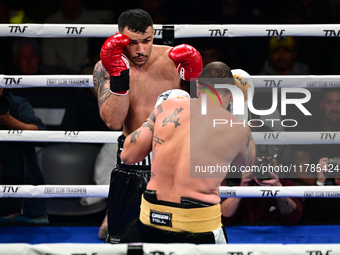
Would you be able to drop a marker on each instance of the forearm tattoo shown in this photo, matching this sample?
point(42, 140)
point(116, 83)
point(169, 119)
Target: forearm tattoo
point(100, 77)
point(172, 118)
point(248, 156)
point(134, 136)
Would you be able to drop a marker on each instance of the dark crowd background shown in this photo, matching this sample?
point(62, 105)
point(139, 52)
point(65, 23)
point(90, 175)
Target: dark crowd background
point(248, 53)
point(319, 54)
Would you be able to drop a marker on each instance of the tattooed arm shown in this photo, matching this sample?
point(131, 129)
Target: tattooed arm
point(247, 154)
point(113, 109)
point(139, 143)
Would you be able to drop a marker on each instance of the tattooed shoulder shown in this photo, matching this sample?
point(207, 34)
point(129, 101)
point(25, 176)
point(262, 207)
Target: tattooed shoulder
point(159, 109)
point(173, 118)
point(149, 124)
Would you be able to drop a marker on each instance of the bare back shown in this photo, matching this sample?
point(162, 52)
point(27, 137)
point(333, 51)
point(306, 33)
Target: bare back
point(184, 139)
point(147, 82)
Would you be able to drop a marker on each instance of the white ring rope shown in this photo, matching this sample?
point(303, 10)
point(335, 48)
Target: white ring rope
point(24, 81)
point(260, 81)
point(274, 138)
point(49, 191)
point(59, 136)
point(180, 31)
point(178, 249)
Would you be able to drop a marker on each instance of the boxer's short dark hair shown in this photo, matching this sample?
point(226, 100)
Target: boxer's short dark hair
point(136, 20)
point(217, 71)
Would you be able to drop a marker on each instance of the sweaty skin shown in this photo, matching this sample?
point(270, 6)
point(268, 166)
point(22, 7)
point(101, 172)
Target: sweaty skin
point(181, 139)
point(151, 73)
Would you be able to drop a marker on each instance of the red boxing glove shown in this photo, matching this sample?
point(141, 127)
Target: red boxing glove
point(112, 55)
point(187, 60)
point(116, 63)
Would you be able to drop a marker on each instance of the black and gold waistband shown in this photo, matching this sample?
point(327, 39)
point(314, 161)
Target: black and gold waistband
point(176, 219)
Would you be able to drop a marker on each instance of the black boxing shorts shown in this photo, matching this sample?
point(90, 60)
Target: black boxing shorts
point(127, 184)
point(191, 221)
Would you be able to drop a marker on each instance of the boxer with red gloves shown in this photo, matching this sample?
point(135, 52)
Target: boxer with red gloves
point(132, 73)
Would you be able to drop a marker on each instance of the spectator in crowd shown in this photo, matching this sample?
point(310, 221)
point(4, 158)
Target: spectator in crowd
point(278, 210)
point(63, 112)
point(309, 12)
point(26, 56)
point(319, 163)
point(18, 161)
point(68, 53)
point(282, 58)
point(311, 155)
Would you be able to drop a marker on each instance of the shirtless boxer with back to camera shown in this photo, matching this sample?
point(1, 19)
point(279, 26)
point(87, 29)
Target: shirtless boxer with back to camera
point(177, 206)
point(128, 79)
